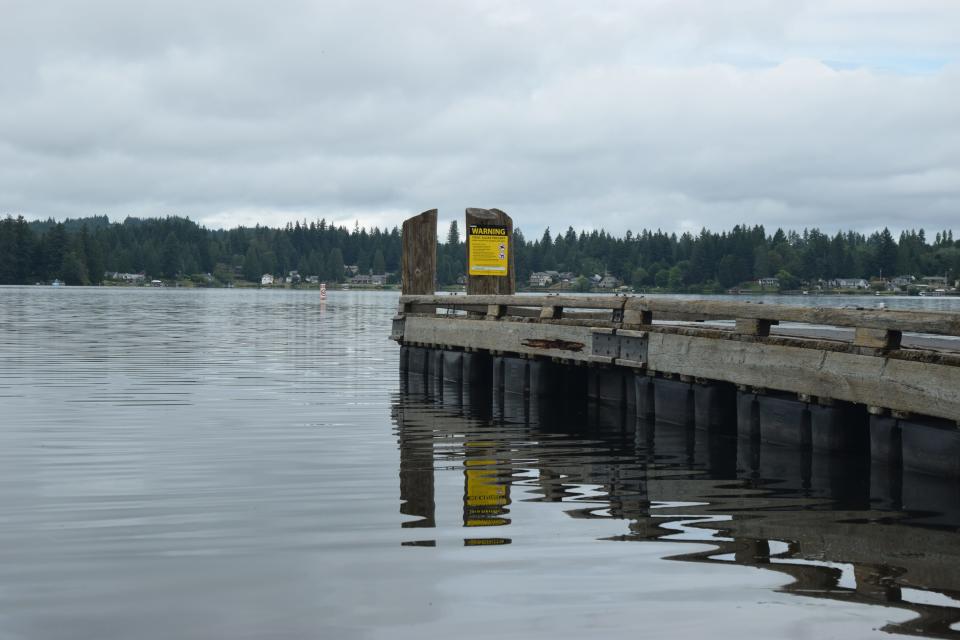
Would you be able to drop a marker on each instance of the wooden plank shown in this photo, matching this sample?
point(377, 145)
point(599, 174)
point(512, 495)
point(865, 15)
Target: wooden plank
point(502, 285)
point(932, 322)
point(753, 327)
point(902, 385)
point(569, 302)
point(496, 311)
point(524, 338)
point(878, 338)
point(642, 311)
point(418, 262)
point(637, 317)
point(553, 312)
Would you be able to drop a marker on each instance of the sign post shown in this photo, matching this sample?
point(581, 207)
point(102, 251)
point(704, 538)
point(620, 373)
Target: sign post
point(489, 252)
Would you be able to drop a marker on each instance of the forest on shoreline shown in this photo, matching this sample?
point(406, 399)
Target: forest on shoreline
point(80, 251)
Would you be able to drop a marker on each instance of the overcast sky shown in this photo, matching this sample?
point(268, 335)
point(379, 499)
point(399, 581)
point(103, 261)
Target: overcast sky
point(621, 115)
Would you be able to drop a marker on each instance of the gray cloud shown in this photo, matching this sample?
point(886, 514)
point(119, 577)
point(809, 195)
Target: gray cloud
point(613, 114)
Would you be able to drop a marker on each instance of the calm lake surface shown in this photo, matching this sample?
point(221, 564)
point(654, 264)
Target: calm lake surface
point(249, 464)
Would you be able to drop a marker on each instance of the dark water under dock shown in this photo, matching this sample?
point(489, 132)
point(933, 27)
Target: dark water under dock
point(249, 464)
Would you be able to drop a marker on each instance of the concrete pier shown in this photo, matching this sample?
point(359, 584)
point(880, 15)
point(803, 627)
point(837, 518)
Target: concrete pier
point(874, 394)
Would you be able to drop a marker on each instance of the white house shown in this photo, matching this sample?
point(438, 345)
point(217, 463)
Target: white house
point(376, 279)
point(266, 279)
point(769, 282)
point(608, 282)
point(850, 283)
point(126, 277)
point(540, 279)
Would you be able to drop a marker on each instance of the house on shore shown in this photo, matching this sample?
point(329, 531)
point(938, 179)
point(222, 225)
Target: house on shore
point(266, 279)
point(540, 279)
point(850, 283)
point(372, 279)
point(126, 277)
point(901, 282)
point(608, 282)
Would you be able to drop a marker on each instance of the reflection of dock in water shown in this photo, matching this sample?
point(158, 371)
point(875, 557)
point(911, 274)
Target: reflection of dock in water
point(840, 527)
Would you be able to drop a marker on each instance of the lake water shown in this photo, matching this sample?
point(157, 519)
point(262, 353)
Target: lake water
point(249, 464)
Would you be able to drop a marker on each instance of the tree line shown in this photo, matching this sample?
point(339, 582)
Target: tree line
point(80, 251)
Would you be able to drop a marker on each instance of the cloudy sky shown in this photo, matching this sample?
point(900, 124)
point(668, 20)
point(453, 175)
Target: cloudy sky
point(622, 115)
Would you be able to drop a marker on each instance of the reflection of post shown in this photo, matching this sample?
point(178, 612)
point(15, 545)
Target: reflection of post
point(501, 250)
point(485, 496)
point(416, 472)
point(419, 255)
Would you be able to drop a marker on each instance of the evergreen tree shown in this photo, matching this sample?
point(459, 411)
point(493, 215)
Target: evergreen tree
point(55, 249)
point(92, 256)
point(335, 265)
point(73, 271)
point(379, 262)
point(252, 270)
point(453, 235)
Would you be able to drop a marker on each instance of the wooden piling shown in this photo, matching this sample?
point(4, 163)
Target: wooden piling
point(419, 258)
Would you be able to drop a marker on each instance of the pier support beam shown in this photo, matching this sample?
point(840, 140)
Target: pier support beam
point(885, 441)
point(839, 427)
point(930, 448)
point(417, 362)
point(748, 416)
point(607, 385)
point(643, 393)
point(404, 358)
point(886, 458)
point(715, 407)
point(673, 401)
point(516, 376)
point(477, 369)
point(477, 372)
point(784, 421)
point(452, 366)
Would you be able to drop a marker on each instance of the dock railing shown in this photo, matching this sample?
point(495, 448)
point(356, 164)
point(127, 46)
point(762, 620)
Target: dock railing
point(877, 328)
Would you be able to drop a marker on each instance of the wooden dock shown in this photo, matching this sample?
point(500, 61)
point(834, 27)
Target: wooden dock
point(830, 378)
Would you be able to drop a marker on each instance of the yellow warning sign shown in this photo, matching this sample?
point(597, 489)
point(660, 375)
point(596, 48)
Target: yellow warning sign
point(488, 247)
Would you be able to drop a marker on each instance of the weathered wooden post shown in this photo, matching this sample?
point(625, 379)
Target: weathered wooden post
point(489, 253)
point(419, 256)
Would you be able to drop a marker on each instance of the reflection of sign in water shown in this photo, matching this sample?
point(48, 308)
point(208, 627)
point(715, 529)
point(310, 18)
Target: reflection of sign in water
point(485, 496)
point(488, 249)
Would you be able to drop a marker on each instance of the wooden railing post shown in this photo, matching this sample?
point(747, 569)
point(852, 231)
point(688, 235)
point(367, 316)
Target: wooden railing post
point(877, 338)
point(419, 257)
point(753, 326)
point(487, 253)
